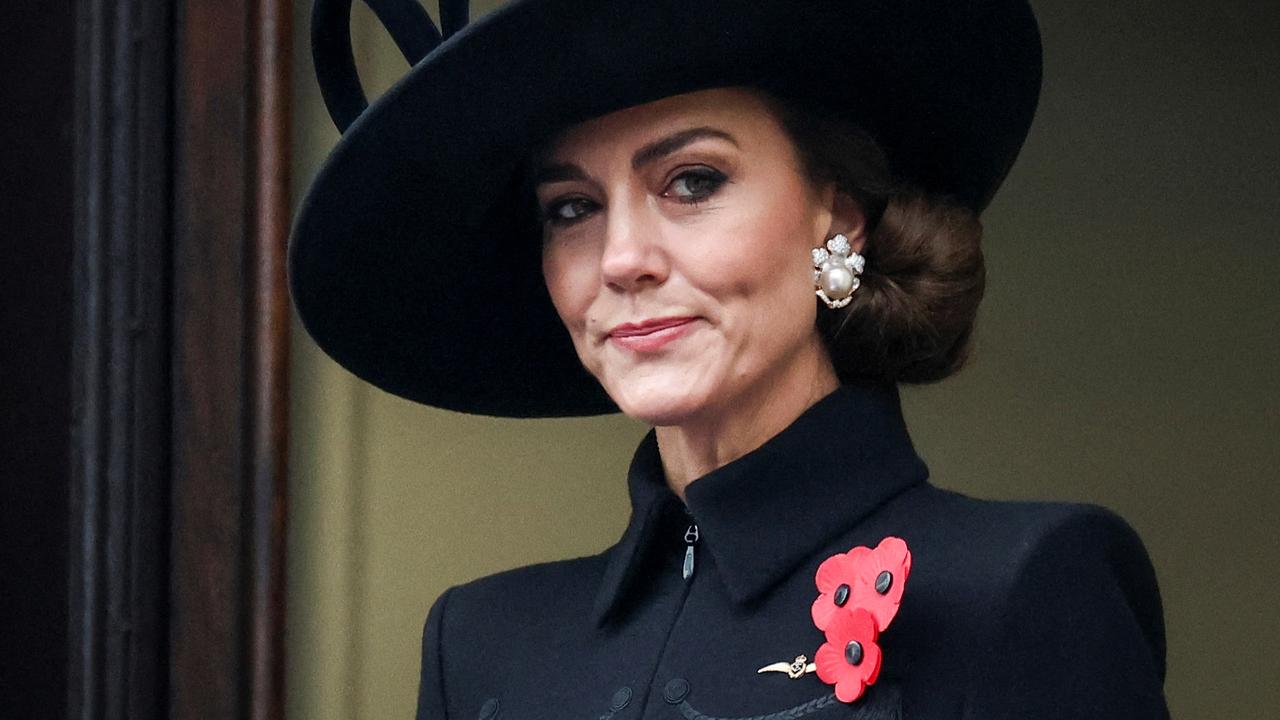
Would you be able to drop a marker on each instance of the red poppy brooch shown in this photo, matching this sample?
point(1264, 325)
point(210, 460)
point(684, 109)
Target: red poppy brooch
point(859, 593)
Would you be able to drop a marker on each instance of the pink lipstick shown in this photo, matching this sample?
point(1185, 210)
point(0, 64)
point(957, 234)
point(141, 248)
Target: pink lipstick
point(650, 335)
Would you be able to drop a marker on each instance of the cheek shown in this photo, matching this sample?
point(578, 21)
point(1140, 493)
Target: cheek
point(763, 255)
point(568, 283)
point(762, 278)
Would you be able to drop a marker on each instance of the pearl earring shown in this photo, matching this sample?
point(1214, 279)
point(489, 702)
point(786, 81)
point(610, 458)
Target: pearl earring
point(835, 272)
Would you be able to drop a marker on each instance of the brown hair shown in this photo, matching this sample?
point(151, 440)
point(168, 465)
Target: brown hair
point(912, 318)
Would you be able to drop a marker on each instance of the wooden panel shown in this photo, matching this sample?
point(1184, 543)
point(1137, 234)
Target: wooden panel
point(181, 346)
point(120, 380)
point(230, 362)
point(269, 377)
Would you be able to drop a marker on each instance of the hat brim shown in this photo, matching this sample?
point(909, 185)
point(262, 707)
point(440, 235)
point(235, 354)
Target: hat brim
point(415, 258)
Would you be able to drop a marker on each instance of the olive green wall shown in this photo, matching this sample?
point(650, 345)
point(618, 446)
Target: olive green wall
point(1128, 355)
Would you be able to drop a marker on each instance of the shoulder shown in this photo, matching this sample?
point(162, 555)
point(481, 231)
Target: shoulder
point(1005, 539)
point(1010, 523)
point(525, 590)
point(530, 597)
point(472, 625)
point(1053, 597)
point(998, 554)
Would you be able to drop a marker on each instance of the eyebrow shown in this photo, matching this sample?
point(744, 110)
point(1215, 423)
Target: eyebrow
point(654, 151)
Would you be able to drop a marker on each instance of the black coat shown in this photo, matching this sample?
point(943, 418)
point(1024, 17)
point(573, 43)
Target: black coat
point(1011, 610)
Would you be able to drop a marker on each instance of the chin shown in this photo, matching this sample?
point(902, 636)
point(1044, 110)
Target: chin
point(658, 403)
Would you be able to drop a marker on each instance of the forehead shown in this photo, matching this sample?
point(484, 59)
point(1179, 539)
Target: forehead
point(740, 112)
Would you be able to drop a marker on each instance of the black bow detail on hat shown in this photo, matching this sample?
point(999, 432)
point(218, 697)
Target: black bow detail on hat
point(410, 27)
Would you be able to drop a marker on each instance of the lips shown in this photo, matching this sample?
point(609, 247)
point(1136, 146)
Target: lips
point(651, 335)
point(648, 326)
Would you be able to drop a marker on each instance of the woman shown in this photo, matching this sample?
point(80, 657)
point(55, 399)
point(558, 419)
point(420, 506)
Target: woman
point(574, 207)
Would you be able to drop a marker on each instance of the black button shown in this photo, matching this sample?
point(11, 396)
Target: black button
point(677, 690)
point(884, 581)
point(489, 710)
point(853, 652)
point(841, 595)
point(620, 699)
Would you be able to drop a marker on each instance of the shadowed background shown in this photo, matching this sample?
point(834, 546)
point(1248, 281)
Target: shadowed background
point(1127, 355)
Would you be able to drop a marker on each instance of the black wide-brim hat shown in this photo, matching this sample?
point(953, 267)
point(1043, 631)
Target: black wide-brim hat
point(415, 258)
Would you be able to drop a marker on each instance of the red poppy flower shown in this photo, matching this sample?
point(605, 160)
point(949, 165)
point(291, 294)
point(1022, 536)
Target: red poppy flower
point(850, 658)
point(863, 578)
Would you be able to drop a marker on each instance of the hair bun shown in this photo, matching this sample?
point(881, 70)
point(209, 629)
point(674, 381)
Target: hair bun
point(912, 318)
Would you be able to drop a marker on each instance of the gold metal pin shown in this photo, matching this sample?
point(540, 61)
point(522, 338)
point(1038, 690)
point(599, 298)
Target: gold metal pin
point(794, 669)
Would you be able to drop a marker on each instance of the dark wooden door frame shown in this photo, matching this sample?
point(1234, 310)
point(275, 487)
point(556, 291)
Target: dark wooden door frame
point(179, 359)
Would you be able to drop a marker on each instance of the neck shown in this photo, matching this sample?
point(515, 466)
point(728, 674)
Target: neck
point(730, 430)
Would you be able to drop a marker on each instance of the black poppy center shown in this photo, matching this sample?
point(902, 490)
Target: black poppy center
point(884, 581)
point(841, 595)
point(853, 652)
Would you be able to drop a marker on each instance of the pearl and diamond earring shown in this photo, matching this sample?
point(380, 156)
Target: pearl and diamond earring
point(835, 272)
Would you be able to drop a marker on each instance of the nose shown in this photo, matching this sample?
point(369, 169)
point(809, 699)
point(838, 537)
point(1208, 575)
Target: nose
point(633, 255)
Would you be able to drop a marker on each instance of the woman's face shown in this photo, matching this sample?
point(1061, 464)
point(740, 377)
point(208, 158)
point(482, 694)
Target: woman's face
point(676, 251)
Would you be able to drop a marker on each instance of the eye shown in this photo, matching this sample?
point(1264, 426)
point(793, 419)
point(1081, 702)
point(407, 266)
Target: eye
point(562, 212)
point(693, 186)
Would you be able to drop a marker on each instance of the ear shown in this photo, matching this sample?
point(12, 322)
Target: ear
point(847, 217)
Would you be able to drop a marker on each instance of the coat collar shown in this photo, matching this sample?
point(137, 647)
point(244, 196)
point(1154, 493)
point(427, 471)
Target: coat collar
point(763, 514)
